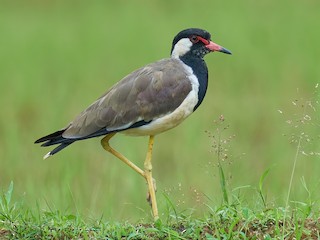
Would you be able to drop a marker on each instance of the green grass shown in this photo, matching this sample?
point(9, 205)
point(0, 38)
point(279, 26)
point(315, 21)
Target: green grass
point(57, 57)
point(234, 221)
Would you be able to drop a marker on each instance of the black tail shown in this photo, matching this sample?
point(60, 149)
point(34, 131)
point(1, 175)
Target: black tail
point(53, 136)
point(57, 138)
point(53, 139)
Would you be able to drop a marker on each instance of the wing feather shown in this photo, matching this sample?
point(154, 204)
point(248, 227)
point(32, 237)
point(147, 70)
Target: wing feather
point(144, 95)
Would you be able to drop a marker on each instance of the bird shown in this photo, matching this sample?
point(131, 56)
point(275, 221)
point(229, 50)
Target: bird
point(150, 100)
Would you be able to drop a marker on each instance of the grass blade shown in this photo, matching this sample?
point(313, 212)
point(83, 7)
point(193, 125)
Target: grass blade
point(223, 185)
point(261, 181)
point(8, 194)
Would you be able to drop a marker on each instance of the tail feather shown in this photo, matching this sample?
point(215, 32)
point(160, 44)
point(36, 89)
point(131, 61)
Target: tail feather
point(57, 149)
point(53, 139)
point(51, 136)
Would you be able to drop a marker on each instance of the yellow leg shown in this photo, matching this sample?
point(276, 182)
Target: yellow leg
point(107, 147)
point(150, 181)
point(147, 173)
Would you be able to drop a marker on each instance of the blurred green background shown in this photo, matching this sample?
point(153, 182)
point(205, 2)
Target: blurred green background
point(57, 57)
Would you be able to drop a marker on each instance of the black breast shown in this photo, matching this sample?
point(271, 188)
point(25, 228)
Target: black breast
point(200, 70)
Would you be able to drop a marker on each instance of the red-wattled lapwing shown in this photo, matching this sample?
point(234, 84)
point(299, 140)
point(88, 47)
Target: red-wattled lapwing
point(149, 101)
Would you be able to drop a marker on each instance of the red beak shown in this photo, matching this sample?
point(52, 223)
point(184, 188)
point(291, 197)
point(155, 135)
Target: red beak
point(217, 48)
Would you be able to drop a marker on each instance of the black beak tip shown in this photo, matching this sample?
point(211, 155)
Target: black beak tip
point(226, 51)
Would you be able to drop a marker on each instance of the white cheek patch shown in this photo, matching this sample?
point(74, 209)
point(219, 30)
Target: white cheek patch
point(182, 47)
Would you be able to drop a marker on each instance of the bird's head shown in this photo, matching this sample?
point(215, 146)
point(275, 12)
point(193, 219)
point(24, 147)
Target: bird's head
point(195, 42)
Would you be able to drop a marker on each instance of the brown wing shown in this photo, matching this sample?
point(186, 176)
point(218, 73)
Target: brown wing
point(144, 95)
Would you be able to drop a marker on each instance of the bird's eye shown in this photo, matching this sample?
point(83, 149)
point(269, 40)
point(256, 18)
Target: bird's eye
point(194, 39)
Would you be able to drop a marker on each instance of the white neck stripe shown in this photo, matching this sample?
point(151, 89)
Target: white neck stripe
point(182, 47)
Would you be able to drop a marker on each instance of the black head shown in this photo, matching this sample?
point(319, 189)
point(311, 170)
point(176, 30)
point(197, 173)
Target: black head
point(187, 33)
point(196, 42)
